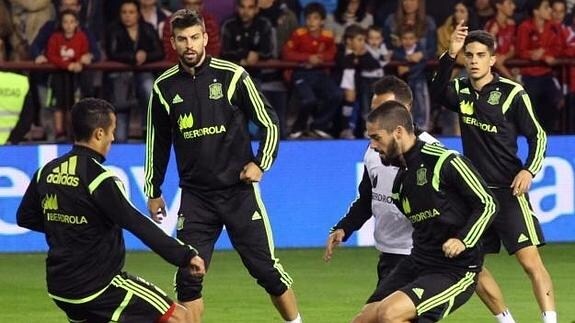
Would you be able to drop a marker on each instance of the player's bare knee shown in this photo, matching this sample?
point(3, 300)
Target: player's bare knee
point(386, 313)
point(179, 315)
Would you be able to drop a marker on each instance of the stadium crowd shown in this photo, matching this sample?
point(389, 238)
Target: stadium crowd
point(322, 57)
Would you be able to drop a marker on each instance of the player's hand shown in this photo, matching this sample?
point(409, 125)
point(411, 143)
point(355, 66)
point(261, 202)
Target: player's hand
point(197, 267)
point(157, 209)
point(452, 248)
point(251, 173)
point(522, 182)
point(457, 39)
point(333, 240)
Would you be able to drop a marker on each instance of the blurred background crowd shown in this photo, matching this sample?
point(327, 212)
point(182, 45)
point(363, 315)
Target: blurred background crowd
point(315, 61)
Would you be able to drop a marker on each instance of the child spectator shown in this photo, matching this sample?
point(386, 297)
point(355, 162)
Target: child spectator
point(377, 48)
point(313, 45)
point(539, 40)
point(361, 70)
point(502, 27)
point(412, 53)
point(68, 48)
point(347, 13)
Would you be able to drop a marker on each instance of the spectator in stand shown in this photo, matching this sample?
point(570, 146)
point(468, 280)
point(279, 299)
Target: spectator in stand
point(502, 27)
point(376, 47)
point(69, 49)
point(247, 38)
point(361, 70)
point(485, 12)
point(29, 16)
point(539, 40)
point(88, 79)
point(439, 13)
point(154, 14)
point(347, 13)
point(131, 41)
point(313, 45)
point(39, 44)
point(12, 45)
point(411, 13)
point(412, 54)
point(460, 13)
point(212, 29)
point(283, 19)
point(558, 13)
point(446, 121)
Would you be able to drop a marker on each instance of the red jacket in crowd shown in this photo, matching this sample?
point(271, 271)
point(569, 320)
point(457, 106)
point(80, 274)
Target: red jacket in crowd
point(551, 39)
point(301, 45)
point(62, 51)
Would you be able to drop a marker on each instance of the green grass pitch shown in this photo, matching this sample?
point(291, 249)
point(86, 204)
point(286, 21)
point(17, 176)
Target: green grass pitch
point(327, 293)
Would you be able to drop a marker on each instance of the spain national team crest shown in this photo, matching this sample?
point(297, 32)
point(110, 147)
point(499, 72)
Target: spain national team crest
point(421, 176)
point(494, 97)
point(216, 91)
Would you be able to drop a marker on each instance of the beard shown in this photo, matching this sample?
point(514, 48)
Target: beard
point(193, 61)
point(394, 157)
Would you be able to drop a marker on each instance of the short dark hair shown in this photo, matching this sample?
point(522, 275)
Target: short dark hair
point(534, 5)
point(395, 85)
point(89, 114)
point(67, 12)
point(482, 37)
point(353, 31)
point(134, 2)
point(185, 18)
point(391, 114)
point(314, 7)
point(375, 28)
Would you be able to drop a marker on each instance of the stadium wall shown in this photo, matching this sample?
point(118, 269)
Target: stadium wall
point(308, 189)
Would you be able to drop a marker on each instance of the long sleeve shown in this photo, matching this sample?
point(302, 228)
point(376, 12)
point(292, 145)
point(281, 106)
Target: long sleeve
point(116, 49)
point(523, 43)
point(110, 196)
point(458, 174)
point(291, 50)
point(441, 89)
point(158, 144)
point(265, 47)
point(249, 97)
point(229, 50)
point(38, 45)
point(359, 211)
point(29, 214)
point(150, 42)
point(528, 125)
point(53, 51)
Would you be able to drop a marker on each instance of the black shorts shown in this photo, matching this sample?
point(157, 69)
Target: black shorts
point(127, 299)
point(515, 224)
point(435, 292)
point(387, 262)
point(201, 219)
